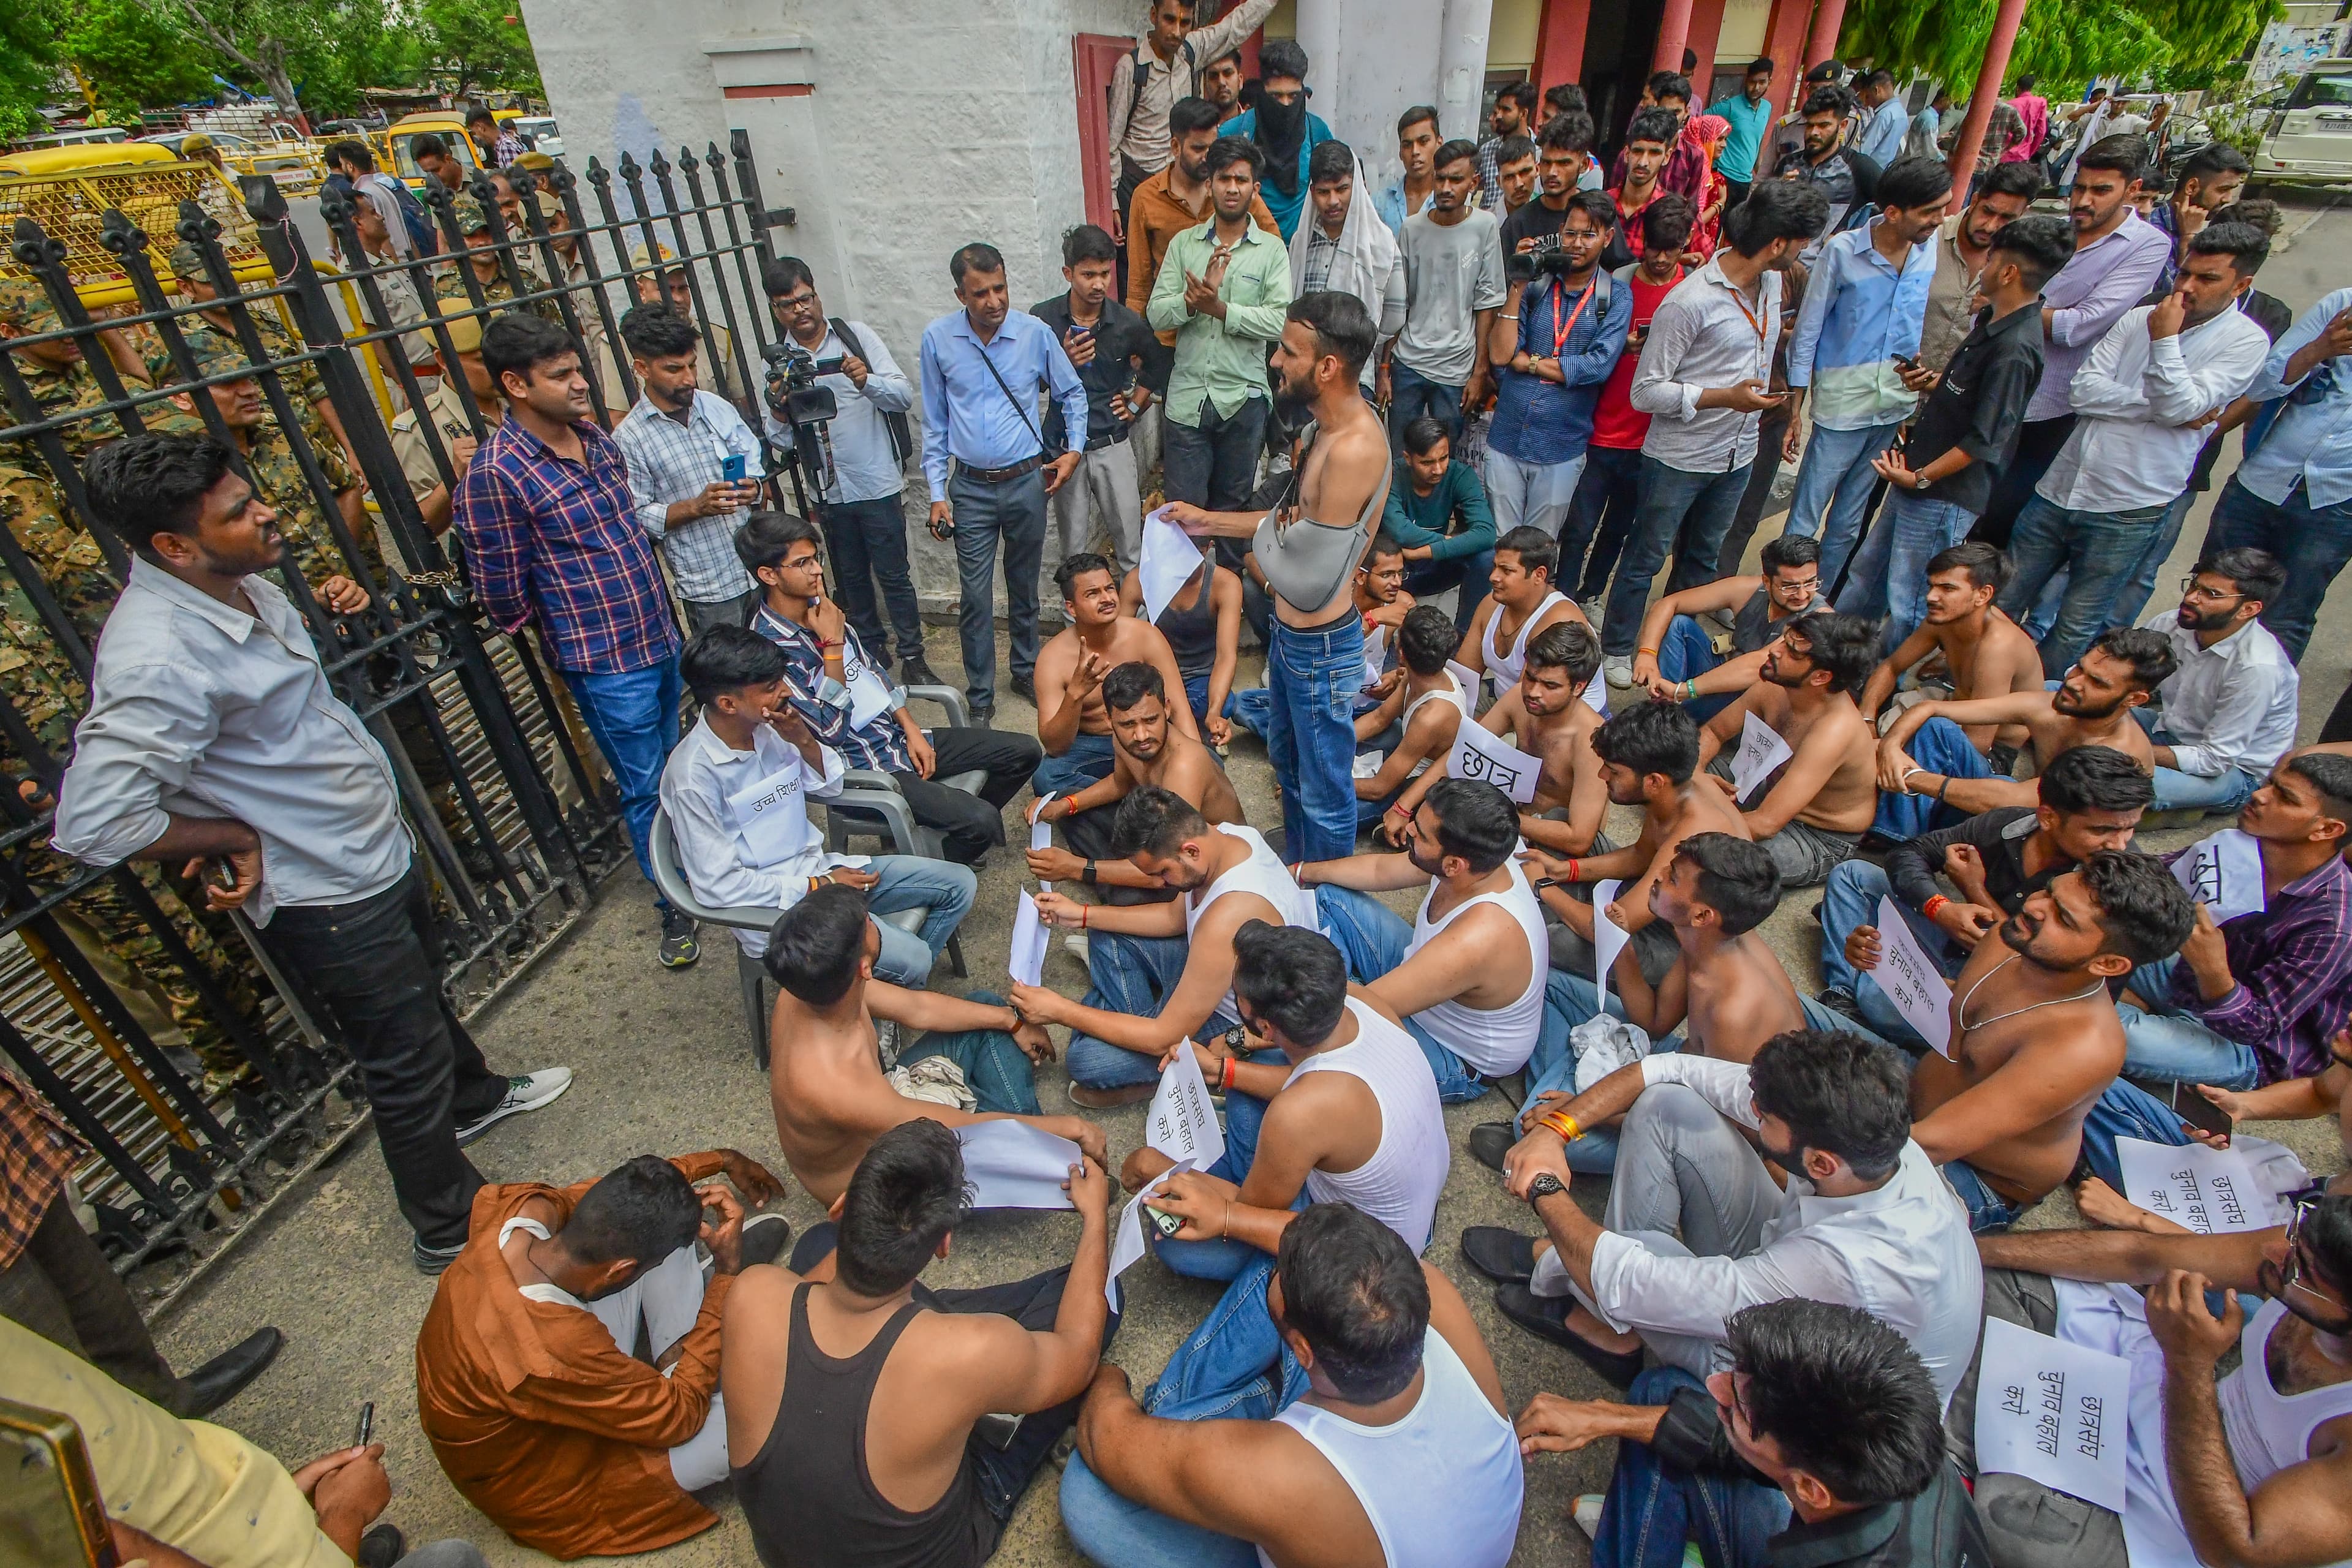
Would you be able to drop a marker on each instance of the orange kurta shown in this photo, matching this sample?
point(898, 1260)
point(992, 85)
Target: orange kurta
point(1154, 217)
point(560, 1436)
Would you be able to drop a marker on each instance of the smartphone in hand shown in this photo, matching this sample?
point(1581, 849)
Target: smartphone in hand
point(731, 468)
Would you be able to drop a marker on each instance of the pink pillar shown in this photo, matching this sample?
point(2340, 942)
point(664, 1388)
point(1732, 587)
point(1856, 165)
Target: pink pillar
point(1822, 44)
point(1673, 34)
point(1982, 97)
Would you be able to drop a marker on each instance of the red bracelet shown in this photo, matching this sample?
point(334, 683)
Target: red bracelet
point(1225, 1079)
point(1572, 871)
point(1930, 907)
point(1082, 916)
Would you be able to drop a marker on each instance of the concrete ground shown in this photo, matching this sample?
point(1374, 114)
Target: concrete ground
point(665, 1066)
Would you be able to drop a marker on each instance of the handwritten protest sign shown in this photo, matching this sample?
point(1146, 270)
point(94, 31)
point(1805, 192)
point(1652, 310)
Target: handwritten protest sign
point(1761, 749)
point(1479, 753)
point(1182, 1120)
point(1170, 560)
point(1028, 961)
point(1911, 980)
point(2224, 873)
point(1609, 938)
point(1013, 1166)
point(1126, 1240)
point(2054, 1412)
point(2208, 1190)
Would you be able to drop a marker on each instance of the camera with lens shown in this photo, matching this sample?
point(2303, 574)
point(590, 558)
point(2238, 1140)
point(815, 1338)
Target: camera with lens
point(1554, 262)
point(792, 389)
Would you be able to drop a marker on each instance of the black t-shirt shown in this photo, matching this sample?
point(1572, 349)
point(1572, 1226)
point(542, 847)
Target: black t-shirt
point(1534, 221)
point(1120, 335)
point(1980, 405)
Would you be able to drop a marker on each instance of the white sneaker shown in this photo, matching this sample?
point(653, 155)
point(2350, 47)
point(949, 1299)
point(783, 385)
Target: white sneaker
point(1075, 944)
point(1586, 1509)
point(528, 1092)
point(1619, 670)
point(1595, 608)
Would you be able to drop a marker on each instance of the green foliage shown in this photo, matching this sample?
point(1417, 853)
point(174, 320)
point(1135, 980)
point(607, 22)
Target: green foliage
point(480, 44)
point(133, 56)
point(28, 64)
point(2064, 42)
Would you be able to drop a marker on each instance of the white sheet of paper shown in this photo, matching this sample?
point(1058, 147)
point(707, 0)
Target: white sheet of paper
point(1469, 677)
point(2054, 1412)
point(1170, 560)
point(2208, 1190)
point(1029, 936)
point(1761, 749)
point(1367, 764)
point(2224, 873)
point(1013, 1166)
point(1911, 980)
point(1376, 653)
point(1041, 832)
point(1480, 754)
point(1182, 1120)
point(1608, 936)
point(869, 694)
point(1127, 1242)
point(770, 814)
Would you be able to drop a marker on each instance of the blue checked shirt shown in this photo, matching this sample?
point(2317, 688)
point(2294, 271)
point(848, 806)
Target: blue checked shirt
point(824, 701)
point(549, 537)
point(671, 461)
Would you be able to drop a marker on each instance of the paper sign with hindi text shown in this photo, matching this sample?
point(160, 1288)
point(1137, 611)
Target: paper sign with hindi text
point(2224, 873)
point(1761, 749)
point(2054, 1412)
point(1182, 1120)
point(1170, 560)
point(1029, 936)
point(1127, 1242)
point(2207, 1190)
point(1480, 753)
point(1609, 938)
point(1911, 980)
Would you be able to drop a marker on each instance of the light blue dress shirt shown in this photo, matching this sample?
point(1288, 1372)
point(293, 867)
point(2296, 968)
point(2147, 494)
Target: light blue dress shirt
point(1860, 315)
point(1883, 134)
point(968, 417)
point(2311, 440)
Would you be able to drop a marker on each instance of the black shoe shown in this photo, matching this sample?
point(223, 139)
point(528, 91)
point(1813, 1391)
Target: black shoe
point(1490, 1141)
point(981, 713)
point(1546, 1317)
point(678, 947)
point(1023, 688)
point(434, 1261)
point(914, 671)
point(1503, 1255)
point(764, 1237)
point(218, 1382)
point(382, 1547)
point(1837, 999)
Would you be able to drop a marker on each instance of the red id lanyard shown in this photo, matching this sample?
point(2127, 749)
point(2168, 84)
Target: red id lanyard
point(1560, 329)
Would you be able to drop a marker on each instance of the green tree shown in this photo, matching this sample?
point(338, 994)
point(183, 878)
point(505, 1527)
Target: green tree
point(28, 64)
point(2066, 42)
point(481, 44)
point(133, 56)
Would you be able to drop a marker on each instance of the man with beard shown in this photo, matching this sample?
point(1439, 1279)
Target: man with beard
point(1454, 282)
point(1546, 714)
point(1283, 131)
point(1521, 605)
point(1564, 151)
point(1929, 752)
point(1308, 554)
point(1071, 722)
point(1168, 66)
point(2035, 1040)
point(1848, 178)
point(1811, 811)
point(1347, 246)
point(1175, 199)
point(1676, 659)
point(2230, 711)
point(1963, 245)
point(1511, 120)
point(1221, 85)
point(674, 441)
point(1147, 750)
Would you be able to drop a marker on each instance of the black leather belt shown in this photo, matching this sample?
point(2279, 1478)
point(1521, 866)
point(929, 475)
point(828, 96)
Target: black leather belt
point(1113, 439)
point(999, 476)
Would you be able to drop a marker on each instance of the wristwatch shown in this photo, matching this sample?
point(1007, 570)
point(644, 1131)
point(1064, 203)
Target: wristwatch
point(1236, 1038)
point(1920, 481)
point(1545, 1185)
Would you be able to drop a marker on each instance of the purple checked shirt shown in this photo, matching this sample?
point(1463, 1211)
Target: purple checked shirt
point(2293, 968)
point(559, 540)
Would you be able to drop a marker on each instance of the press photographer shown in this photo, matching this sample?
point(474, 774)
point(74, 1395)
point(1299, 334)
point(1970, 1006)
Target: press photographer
point(865, 438)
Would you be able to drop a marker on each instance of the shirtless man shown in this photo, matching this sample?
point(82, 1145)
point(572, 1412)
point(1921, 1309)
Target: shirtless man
point(1309, 557)
point(1163, 973)
point(1427, 708)
point(2035, 1038)
point(1676, 657)
point(1381, 600)
point(1812, 810)
point(1149, 749)
point(1936, 750)
point(1547, 717)
point(1071, 723)
point(1467, 974)
point(1985, 653)
point(1522, 605)
point(824, 1072)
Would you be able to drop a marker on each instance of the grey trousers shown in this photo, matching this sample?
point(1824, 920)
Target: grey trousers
point(2026, 1524)
point(701, 615)
point(1104, 493)
point(1803, 855)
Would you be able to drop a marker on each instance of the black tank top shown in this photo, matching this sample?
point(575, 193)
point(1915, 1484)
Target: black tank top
point(1192, 634)
point(808, 1496)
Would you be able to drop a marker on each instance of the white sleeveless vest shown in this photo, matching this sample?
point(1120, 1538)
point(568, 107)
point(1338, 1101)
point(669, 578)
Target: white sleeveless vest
point(1262, 874)
point(1399, 1183)
point(1498, 1040)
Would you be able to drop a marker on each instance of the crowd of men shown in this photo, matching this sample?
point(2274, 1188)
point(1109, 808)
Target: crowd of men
point(1508, 375)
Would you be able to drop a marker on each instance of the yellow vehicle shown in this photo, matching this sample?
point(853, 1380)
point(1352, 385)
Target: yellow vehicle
point(67, 189)
point(449, 124)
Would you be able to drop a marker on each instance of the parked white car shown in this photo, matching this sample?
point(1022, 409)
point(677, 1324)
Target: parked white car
point(2309, 136)
point(541, 130)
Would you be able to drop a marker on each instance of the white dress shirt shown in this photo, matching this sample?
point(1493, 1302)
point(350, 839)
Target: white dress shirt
point(2311, 443)
point(671, 460)
point(703, 774)
point(1705, 335)
point(199, 709)
point(864, 466)
point(2232, 705)
point(2134, 443)
point(1901, 1252)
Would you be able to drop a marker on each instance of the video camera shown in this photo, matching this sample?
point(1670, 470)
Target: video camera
point(792, 389)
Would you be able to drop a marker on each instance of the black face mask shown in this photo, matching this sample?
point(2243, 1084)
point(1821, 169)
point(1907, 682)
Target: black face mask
point(1281, 129)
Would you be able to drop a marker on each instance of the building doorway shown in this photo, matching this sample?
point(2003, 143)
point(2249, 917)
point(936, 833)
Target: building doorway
point(1618, 43)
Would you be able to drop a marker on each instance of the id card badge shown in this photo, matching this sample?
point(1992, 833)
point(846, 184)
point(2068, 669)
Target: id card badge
point(771, 822)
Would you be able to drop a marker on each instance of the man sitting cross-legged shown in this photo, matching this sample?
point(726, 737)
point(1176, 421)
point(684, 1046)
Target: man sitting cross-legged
point(1649, 757)
point(1162, 972)
point(1467, 974)
point(1811, 811)
point(1933, 756)
point(1544, 715)
point(2090, 798)
point(1865, 1219)
point(824, 1072)
point(2034, 1037)
point(2251, 1467)
point(1677, 659)
point(1398, 1451)
point(1823, 1411)
point(1338, 1106)
point(737, 791)
point(855, 1396)
point(1422, 712)
point(1148, 749)
point(1437, 511)
point(1071, 723)
point(1522, 605)
point(2230, 711)
point(527, 1385)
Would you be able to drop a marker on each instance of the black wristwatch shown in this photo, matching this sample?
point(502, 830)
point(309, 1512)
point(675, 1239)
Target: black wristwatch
point(1236, 1038)
point(1545, 1185)
point(1087, 876)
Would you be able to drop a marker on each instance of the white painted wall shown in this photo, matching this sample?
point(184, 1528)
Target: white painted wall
point(1462, 66)
point(1369, 60)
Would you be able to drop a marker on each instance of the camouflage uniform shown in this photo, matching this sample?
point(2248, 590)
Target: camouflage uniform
point(450, 288)
point(24, 304)
point(217, 347)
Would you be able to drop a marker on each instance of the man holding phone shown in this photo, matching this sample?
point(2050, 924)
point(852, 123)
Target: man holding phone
point(1123, 367)
point(694, 469)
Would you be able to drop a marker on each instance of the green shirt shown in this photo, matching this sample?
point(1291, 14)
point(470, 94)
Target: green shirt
point(1222, 362)
point(1454, 519)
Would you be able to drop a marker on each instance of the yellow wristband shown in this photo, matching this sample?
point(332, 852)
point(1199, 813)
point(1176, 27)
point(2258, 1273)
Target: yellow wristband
point(1562, 1123)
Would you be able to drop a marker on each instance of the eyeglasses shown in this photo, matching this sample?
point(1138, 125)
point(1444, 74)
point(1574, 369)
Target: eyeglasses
point(2192, 589)
point(2291, 1279)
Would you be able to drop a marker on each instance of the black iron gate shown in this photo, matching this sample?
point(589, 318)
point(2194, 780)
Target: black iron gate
point(200, 1076)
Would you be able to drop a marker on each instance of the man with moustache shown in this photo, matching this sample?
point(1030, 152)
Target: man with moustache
point(2230, 711)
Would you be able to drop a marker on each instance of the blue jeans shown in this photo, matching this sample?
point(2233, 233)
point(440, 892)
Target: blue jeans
point(2174, 791)
point(1687, 654)
point(867, 542)
point(633, 716)
point(1685, 513)
point(1889, 577)
point(1196, 696)
point(1470, 573)
point(1014, 512)
point(1089, 758)
point(2312, 542)
point(2126, 1111)
point(1210, 462)
point(1224, 1258)
point(1988, 1210)
point(1373, 939)
point(1234, 1365)
point(1117, 1533)
point(1310, 735)
point(1834, 480)
point(2124, 609)
point(1651, 1511)
point(1134, 975)
point(913, 882)
point(1413, 394)
point(2097, 550)
point(1942, 747)
point(2175, 1046)
point(1850, 899)
point(1608, 493)
point(998, 1070)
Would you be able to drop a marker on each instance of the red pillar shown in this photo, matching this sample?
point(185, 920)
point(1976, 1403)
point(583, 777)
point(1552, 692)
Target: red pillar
point(1784, 42)
point(1673, 33)
point(1706, 32)
point(1982, 97)
point(1822, 43)
point(1559, 42)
